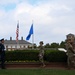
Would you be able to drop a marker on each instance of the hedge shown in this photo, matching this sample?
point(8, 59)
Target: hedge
point(55, 56)
point(32, 55)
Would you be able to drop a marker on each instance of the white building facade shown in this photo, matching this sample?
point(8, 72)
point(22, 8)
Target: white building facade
point(13, 45)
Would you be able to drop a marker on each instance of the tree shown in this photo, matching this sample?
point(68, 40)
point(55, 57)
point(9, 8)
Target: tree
point(54, 45)
point(47, 45)
point(62, 44)
point(35, 46)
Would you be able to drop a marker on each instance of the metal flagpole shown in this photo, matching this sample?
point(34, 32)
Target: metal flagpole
point(17, 33)
point(32, 41)
point(32, 38)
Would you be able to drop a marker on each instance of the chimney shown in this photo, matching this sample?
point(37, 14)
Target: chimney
point(10, 38)
point(21, 38)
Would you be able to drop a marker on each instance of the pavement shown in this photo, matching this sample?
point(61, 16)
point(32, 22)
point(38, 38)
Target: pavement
point(25, 65)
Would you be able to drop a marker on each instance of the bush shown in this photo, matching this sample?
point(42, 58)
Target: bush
point(55, 56)
point(32, 55)
point(21, 55)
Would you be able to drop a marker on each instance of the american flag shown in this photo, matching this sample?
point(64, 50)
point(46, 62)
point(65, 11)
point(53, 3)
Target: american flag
point(17, 32)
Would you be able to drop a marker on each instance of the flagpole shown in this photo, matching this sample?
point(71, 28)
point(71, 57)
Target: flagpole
point(31, 32)
point(18, 34)
point(32, 38)
point(32, 41)
point(18, 37)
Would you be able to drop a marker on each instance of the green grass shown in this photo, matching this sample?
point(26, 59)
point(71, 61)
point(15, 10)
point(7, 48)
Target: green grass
point(36, 72)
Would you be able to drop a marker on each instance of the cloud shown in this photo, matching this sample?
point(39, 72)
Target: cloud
point(51, 18)
point(5, 2)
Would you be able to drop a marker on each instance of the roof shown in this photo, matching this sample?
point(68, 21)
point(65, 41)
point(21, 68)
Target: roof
point(14, 42)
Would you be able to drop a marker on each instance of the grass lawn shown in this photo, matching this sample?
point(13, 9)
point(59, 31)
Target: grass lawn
point(36, 72)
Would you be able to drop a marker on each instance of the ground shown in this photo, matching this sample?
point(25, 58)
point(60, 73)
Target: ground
point(58, 65)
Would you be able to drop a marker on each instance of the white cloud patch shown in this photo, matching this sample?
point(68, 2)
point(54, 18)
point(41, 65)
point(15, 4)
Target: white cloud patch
point(5, 2)
point(51, 19)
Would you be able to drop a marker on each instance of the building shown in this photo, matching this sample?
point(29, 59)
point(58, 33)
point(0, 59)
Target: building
point(11, 45)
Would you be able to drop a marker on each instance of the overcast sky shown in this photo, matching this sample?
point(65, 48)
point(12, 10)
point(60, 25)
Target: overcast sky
point(52, 19)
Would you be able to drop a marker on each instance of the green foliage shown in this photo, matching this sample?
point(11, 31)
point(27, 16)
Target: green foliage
point(47, 45)
point(22, 55)
point(62, 44)
point(54, 45)
point(32, 55)
point(55, 56)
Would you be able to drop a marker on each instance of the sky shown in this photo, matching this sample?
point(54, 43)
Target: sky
point(52, 19)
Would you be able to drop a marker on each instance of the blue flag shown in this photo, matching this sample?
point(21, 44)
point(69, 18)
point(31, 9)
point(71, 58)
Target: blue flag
point(30, 33)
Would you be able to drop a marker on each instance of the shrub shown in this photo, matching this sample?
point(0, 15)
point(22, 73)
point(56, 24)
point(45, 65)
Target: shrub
point(21, 55)
point(55, 56)
point(32, 55)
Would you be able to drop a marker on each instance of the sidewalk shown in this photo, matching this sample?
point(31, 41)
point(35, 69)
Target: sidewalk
point(59, 65)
